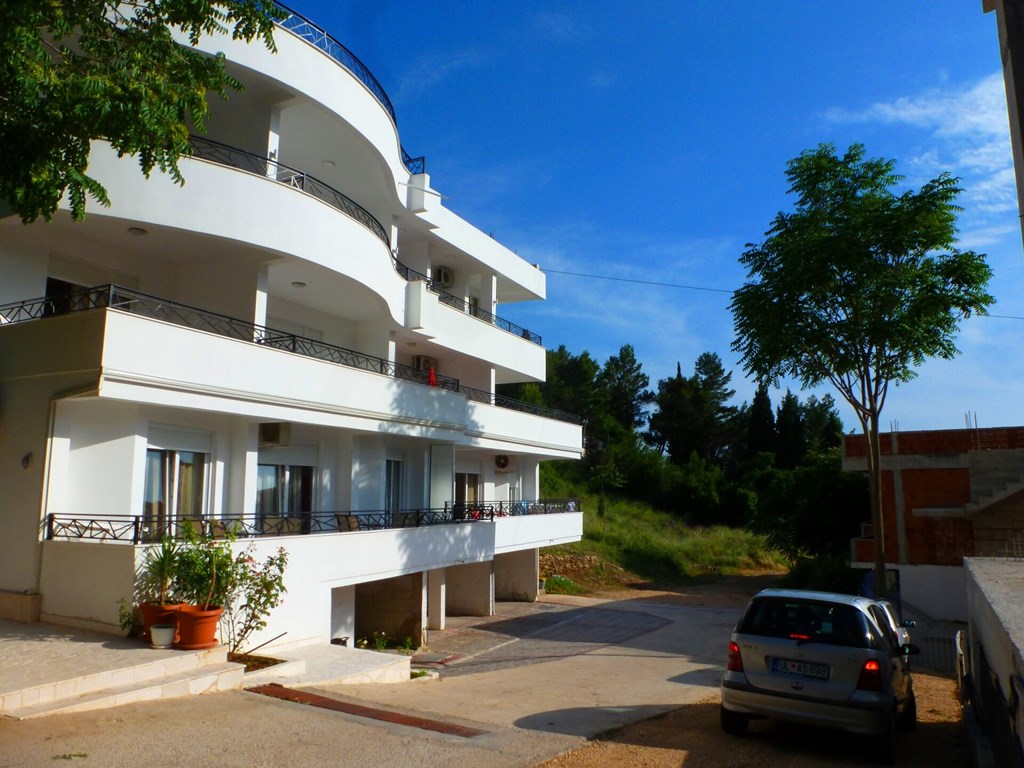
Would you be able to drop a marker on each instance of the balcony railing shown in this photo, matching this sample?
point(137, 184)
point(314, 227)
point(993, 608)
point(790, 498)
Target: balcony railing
point(490, 398)
point(140, 529)
point(215, 152)
point(318, 37)
point(455, 302)
point(135, 302)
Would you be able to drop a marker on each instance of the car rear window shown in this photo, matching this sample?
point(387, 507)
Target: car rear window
point(807, 621)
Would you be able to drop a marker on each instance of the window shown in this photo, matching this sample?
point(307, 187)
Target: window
point(283, 490)
point(466, 485)
point(175, 488)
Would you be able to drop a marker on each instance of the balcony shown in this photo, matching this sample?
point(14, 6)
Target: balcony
point(139, 529)
point(316, 36)
point(172, 314)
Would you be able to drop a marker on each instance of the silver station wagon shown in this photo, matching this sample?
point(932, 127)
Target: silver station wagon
point(818, 658)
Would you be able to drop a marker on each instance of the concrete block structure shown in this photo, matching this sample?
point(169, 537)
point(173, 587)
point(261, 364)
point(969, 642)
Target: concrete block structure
point(301, 344)
point(946, 495)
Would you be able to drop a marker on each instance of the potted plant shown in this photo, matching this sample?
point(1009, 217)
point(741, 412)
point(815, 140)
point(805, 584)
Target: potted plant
point(157, 579)
point(204, 576)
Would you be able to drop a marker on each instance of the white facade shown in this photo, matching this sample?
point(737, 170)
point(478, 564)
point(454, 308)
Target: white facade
point(303, 333)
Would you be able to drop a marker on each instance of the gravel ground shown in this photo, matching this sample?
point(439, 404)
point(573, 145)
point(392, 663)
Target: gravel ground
point(691, 737)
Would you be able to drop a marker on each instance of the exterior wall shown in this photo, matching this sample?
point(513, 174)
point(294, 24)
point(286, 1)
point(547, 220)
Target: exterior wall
point(999, 529)
point(937, 590)
point(517, 576)
point(395, 606)
point(94, 605)
point(470, 590)
point(994, 654)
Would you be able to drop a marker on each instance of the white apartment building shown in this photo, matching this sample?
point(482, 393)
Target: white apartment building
point(301, 343)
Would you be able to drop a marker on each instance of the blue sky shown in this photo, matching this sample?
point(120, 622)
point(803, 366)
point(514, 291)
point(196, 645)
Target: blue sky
point(647, 141)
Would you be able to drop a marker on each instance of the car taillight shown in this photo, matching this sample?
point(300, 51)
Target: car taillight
point(870, 676)
point(735, 660)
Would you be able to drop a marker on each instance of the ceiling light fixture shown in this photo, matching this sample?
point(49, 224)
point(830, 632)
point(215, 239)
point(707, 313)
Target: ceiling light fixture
point(327, 163)
point(298, 284)
point(138, 231)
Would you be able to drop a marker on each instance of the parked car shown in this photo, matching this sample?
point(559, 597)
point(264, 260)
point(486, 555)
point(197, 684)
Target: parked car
point(888, 618)
point(818, 658)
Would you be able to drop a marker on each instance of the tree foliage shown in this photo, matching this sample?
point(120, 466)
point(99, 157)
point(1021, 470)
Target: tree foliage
point(79, 70)
point(857, 286)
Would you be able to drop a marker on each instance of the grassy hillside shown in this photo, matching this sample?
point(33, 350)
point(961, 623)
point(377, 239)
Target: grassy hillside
point(656, 546)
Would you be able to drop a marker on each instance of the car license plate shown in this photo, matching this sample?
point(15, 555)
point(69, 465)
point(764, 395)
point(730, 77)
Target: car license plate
point(801, 668)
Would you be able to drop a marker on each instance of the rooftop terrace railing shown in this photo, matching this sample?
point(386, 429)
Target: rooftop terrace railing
point(455, 302)
point(216, 152)
point(137, 303)
point(318, 37)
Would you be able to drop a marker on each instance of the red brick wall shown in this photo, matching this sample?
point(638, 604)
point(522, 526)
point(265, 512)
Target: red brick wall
point(931, 540)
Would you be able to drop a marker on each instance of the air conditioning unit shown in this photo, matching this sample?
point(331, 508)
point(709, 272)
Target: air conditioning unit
point(503, 463)
point(275, 434)
point(443, 277)
point(424, 363)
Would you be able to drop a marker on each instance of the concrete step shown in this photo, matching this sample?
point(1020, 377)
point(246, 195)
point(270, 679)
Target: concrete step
point(149, 665)
point(220, 676)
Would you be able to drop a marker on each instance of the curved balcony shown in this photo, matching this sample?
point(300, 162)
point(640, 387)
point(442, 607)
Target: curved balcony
point(318, 37)
point(136, 303)
point(222, 154)
point(455, 302)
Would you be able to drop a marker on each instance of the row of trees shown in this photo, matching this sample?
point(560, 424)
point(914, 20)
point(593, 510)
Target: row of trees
point(685, 447)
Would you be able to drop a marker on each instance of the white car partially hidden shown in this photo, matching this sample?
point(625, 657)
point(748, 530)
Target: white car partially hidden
point(819, 658)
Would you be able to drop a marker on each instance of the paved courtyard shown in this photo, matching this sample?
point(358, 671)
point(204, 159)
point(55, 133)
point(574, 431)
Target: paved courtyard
point(530, 683)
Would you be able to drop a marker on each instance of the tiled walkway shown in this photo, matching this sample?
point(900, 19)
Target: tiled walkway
point(36, 654)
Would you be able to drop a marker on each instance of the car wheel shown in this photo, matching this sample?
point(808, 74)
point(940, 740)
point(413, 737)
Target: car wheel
point(908, 717)
point(885, 743)
point(734, 723)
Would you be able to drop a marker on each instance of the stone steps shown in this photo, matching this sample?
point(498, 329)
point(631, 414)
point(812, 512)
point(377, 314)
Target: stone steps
point(179, 673)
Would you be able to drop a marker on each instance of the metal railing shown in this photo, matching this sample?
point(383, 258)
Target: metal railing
point(451, 300)
point(141, 529)
point(137, 303)
point(490, 398)
point(318, 37)
point(115, 297)
point(223, 154)
point(488, 510)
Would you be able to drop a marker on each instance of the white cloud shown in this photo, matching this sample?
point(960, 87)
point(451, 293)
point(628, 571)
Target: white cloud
point(963, 130)
point(432, 70)
point(560, 27)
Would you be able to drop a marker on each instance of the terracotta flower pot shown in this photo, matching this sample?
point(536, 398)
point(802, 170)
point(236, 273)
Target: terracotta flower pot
point(197, 629)
point(157, 613)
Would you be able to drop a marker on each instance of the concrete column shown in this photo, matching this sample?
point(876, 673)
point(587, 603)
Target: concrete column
point(436, 607)
point(470, 589)
point(259, 315)
point(517, 576)
point(897, 492)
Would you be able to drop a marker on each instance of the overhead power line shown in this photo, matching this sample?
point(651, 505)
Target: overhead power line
point(641, 282)
point(696, 287)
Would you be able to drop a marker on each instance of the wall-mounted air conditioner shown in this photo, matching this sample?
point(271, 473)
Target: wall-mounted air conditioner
point(443, 277)
point(424, 363)
point(276, 434)
point(503, 463)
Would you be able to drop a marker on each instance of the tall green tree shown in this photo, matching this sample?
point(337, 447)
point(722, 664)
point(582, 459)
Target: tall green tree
point(623, 384)
point(761, 424)
point(823, 428)
point(857, 286)
point(790, 444)
point(78, 70)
